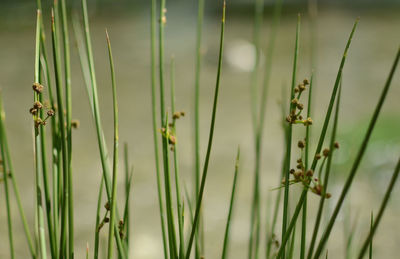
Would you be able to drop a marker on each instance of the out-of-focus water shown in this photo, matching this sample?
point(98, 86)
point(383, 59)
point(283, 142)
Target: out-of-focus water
point(368, 62)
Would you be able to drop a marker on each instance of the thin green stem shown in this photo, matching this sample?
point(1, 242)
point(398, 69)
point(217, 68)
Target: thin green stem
point(289, 142)
point(176, 166)
point(115, 159)
point(306, 164)
point(39, 204)
point(68, 101)
point(154, 121)
point(61, 118)
point(211, 135)
point(200, 17)
point(326, 177)
point(96, 112)
point(228, 221)
point(6, 187)
point(97, 229)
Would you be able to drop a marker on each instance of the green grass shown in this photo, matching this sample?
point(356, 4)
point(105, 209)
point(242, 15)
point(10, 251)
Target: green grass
point(181, 212)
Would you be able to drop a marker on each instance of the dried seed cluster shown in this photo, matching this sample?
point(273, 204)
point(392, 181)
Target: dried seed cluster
point(297, 107)
point(38, 106)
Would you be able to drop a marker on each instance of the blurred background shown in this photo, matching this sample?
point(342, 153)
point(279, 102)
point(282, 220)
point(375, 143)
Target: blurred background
point(369, 59)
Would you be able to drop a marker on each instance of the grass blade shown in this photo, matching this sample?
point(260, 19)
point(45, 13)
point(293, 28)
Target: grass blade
point(39, 202)
point(200, 16)
point(357, 161)
point(368, 240)
point(326, 177)
point(207, 159)
point(97, 118)
point(115, 159)
point(228, 221)
point(306, 158)
point(289, 142)
point(68, 105)
point(154, 121)
point(176, 115)
point(97, 229)
point(3, 162)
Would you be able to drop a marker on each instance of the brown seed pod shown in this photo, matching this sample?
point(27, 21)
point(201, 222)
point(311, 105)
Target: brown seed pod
point(300, 106)
point(75, 124)
point(318, 156)
point(33, 111)
point(336, 145)
point(107, 206)
point(310, 172)
point(183, 113)
point(50, 113)
point(292, 171)
point(325, 152)
point(328, 195)
point(176, 115)
point(37, 105)
point(172, 140)
point(306, 82)
point(295, 101)
point(301, 144)
point(38, 88)
point(302, 87)
point(106, 219)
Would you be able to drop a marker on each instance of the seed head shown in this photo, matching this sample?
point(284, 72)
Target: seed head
point(106, 219)
point(325, 152)
point(302, 87)
point(308, 121)
point(336, 145)
point(172, 140)
point(75, 124)
point(328, 195)
point(38, 88)
point(295, 101)
point(183, 113)
point(37, 105)
point(318, 156)
point(300, 106)
point(107, 206)
point(301, 144)
point(33, 111)
point(176, 115)
point(310, 172)
point(306, 82)
point(50, 113)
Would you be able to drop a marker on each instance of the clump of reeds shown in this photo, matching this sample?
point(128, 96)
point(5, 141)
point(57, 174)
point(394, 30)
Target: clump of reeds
point(54, 207)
